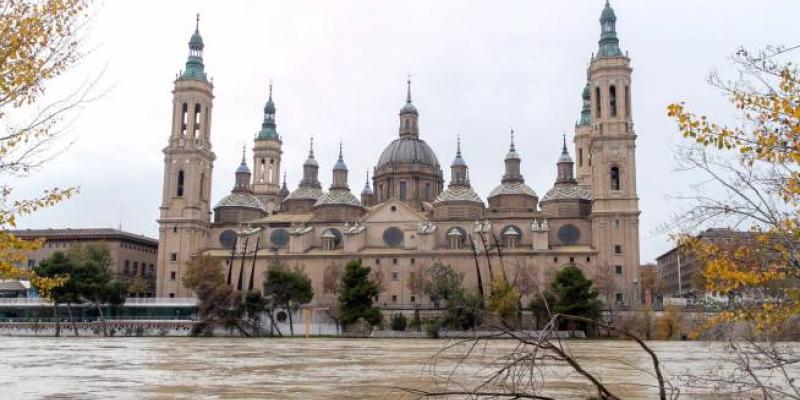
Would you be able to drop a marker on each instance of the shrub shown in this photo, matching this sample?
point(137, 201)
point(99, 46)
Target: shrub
point(399, 322)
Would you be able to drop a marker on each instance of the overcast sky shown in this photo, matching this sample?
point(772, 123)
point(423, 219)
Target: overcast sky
point(339, 70)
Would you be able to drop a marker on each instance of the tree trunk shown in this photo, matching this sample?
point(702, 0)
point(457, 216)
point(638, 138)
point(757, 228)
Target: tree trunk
point(55, 316)
point(291, 324)
point(101, 319)
point(72, 320)
point(272, 326)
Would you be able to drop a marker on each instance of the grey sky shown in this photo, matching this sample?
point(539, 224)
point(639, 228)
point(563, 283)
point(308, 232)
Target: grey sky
point(339, 70)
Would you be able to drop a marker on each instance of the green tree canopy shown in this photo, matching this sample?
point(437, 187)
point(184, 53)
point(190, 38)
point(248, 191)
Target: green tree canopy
point(357, 294)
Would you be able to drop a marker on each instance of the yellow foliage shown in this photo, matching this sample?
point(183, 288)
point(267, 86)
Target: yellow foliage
point(763, 272)
point(37, 43)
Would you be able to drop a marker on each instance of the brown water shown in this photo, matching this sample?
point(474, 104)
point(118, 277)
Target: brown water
point(226, 368)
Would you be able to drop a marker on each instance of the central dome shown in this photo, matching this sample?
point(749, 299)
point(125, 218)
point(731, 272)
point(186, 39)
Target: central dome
point(408, 151)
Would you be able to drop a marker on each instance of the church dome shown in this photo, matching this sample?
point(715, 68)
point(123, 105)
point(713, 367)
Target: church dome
point(513, 188)
point(245, 200)
point(408, 151)
point(460, 193)
point(566, 192)
point(339, 197)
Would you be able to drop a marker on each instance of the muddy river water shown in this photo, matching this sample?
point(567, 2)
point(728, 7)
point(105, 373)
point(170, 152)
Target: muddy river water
point(317, 368)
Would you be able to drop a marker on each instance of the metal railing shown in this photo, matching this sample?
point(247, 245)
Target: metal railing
point(130, 301)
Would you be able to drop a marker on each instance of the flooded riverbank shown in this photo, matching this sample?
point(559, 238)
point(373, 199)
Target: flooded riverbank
point(318, 368)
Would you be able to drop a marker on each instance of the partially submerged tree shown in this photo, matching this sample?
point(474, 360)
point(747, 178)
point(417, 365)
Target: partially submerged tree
point(215, 299)
point(288, 289)
point(357, 294)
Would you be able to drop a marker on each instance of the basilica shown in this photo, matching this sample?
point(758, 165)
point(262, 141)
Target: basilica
point(408, 216)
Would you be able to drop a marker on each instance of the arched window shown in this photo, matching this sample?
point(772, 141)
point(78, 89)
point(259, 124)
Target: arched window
point(627, 101)
point(614, 178)
point(612, 98)
point(184, 118)
point(179, 186)
point(580, 157)
point(196, 121)
point(597, 102)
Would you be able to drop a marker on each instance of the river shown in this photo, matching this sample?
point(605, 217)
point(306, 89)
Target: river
point(317, 368)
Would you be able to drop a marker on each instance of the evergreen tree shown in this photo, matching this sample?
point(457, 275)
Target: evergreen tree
point(357, 294)
point(573, 294)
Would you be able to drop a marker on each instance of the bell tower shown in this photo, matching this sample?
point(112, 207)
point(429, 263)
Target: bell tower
point(185, 214)
point(267, 159)
point(612, 163)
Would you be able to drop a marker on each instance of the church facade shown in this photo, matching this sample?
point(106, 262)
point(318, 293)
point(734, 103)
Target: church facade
point(408, 216)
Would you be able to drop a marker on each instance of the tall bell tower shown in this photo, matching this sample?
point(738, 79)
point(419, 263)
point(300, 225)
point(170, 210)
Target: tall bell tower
point(188, 162)
point(267, 159)
point(611, 168)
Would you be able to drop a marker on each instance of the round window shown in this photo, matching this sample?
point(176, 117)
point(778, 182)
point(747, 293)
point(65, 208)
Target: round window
point(393, 236)
point(281, 316)
point(279, 237)
point(569, 234)
point(227, 238)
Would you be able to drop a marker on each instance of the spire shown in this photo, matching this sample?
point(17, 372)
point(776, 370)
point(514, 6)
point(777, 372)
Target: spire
point(268, 126)
point(609, 43)
point(512, 161)
point(194, 64)
point(512, 151)
point(244, 151)
point(408, 108)
point(458, 161)
point(408, 90)
point(340, 165)
point(243, 173)
point(564, 165)
point(310, 169)
point(367, 191)
point(284, 192)
point(311, 148)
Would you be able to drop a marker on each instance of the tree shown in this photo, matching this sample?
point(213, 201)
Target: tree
point(331, 286)
point(59, 265)
point(755, 168)
point(574, 295)
point(439, 282)
point(93, 279)
point(504, 300)
point(357, 294)
point(39, 41)
point(288, 289)
point(205, 277)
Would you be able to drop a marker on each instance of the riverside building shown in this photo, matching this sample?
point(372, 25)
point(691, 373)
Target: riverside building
point(414, 211)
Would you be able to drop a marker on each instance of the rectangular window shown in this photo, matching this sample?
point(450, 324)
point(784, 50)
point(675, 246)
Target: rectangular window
point(135, 268)
point(377, 261)
point(588, 259)
point(172, 276)
point(413, 261)
point(402, 190)
point(173, 257)
point(394, 298)
point(127, 268)
point(394, 261)
point(555, 259)
point(618, 269)
point(395, 276)
point(616, 223)
point(172, 295)
point(580, 157)
point(413, 299)
point(620, 299)
point(617, 249)
point(572, 259)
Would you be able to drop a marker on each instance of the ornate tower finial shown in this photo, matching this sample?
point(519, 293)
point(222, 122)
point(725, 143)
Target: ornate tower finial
point(340, 150)
point(244, 150)
point(408, 89)
point(270, 89)
point(564, 146)
point(512, 140)
point(311, 148)
point(197, 23)
point(609, 43)
point(458, 145)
